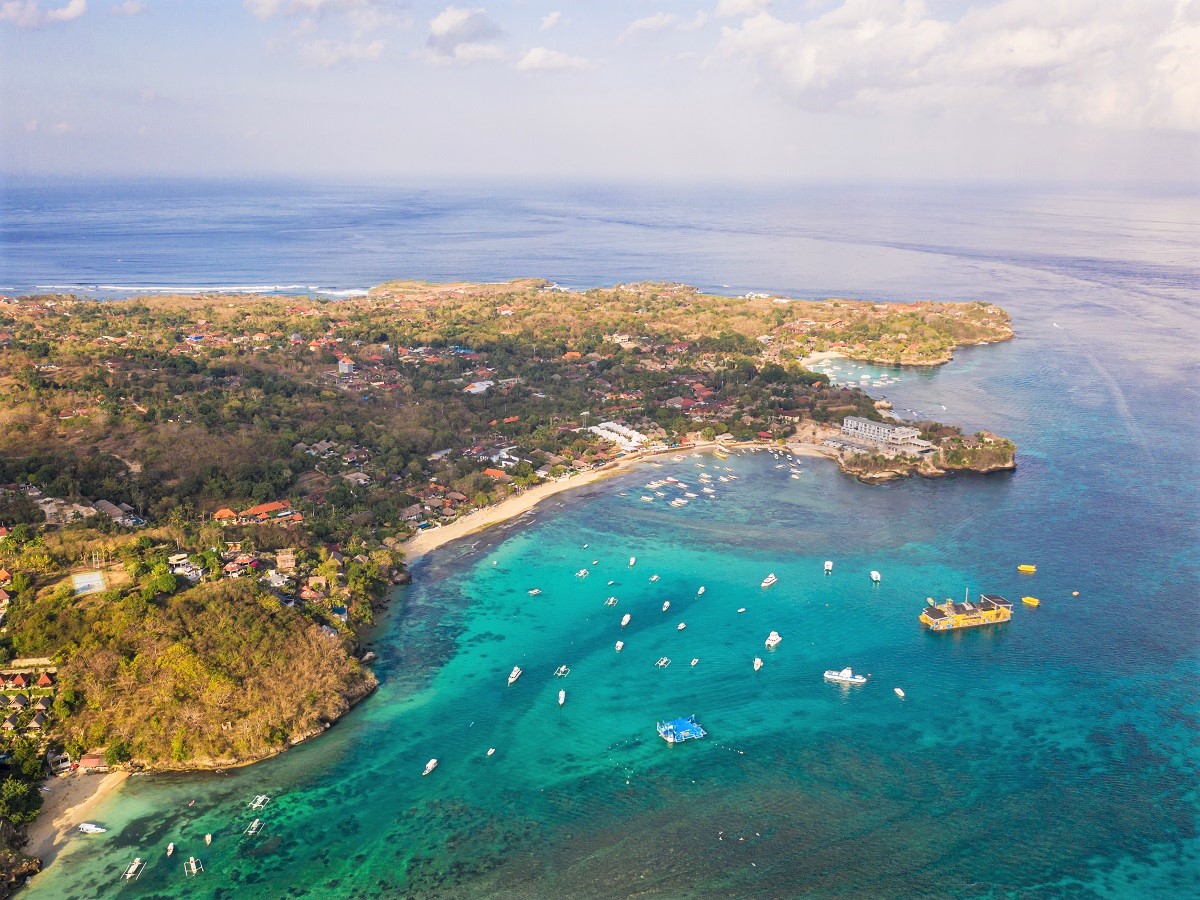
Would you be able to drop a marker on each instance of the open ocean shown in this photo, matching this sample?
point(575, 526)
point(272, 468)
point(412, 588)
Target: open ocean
point(1056, 756)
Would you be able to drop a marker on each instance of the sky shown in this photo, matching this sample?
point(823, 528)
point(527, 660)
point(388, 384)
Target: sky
point(711, 90)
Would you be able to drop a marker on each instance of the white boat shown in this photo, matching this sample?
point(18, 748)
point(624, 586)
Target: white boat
point(260, 801)
point(562, 671)
point(254, 827)
point(696, 660)
point(647, 498)
point(595, 562)
point(701, 591)
point(758, 663)
point(193, 866)
point(582, 573)
point(619, 645)
point(773, 640)
point(795, 476)
point(535, 592)
point(429, 767)
point(769, 580)
point(611, 583)
point(514, 674)
point(681, 626)
point(625, 620)
point(875, 576)
point(170, 848)
point(89, 828)
point(666, 605)
point(678, 502)
point(899, 693)
point(845, 676)
point(562, 697)
point(828, 566)
point(207, 839)
point(663, 662)
point(690, 495)
point(742, 609)
point(611, 601)
point(491, 750)
point(585, 546)
point(134, 871)
point(654, 578)
point(632, 560)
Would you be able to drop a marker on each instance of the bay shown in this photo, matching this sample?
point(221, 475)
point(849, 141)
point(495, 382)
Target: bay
point(1054, 756)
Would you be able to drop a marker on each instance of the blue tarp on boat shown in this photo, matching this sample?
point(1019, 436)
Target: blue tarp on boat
point(680, 730)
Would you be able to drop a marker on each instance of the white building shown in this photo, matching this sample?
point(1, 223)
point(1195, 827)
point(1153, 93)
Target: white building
point(884, 435)
point(625, 438)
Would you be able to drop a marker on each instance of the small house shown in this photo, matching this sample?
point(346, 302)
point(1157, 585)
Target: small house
point(45, 680)
point(36, 723)
point(10, 723)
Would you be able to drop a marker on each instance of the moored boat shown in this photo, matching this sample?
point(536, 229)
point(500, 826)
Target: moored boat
point(625, 620)
point(829, 567)
point(875, 576)
point(681, 626)
point(899, 693)
point(170, 848)
point(1031, 601)
point(663, 662)
point(845, 676)
point(89, 828)
point(769, 580)
point(773, 640)
point(666, 605)
point(632, 560)
point(991, 609)
point(429, 767)
point(619, 645)
point(696, 660)
point(758, 663)
point(701, 591)
point(654, 578)
point(535, 592)
point(562, 671)
point(562, 697)
point(514, 674)
point(134, 870)
point(582, 573)
point(611, 601)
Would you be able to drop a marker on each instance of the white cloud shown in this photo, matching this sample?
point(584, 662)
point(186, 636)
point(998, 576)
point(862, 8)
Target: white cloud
point(462, 35)
point(1124, 66)
point(697, 23)
point(657, 22)
point(29, 13)
point(61, 128)
point(541, 59)
point(364, 15)
point(31, 126)
point(728, 9)
point(550, 20)
point(128, 8)
point(326, 54)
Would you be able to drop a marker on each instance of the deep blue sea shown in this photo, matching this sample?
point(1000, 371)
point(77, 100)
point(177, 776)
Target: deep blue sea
point(1056, 756)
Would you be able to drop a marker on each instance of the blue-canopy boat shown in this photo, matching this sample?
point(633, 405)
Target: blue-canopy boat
point(679, 730)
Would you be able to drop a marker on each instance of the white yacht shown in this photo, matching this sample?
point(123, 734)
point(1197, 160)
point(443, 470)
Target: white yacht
point(701, 591)
point(696, 660)
point(875, 576)
point(828, 566)
point(769, 580)
point(514, 674)
point(429, 767)
point(845, 676)
point(666, 605)
point(681, 626)
point(632, 560)
point(89, 828)
point(625, 620)
point(562, 697)
point(619, 645)
point(758, 663)
point(773, 640)
point(899, 693)
point(535, 592)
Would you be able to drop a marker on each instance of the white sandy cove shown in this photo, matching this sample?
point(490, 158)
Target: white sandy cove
point(511, 507)
point(69, 800)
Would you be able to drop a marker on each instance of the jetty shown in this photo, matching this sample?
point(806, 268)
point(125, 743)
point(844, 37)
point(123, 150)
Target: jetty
point(677, 731)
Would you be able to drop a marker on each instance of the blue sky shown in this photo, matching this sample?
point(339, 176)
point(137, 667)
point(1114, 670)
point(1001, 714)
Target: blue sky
point(707, 90)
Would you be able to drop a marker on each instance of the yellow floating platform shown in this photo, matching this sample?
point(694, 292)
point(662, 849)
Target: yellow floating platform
point(1027, 569)
point(1031, 601)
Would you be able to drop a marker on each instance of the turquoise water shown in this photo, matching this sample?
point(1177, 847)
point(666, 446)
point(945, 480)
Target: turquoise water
point(1055, 756)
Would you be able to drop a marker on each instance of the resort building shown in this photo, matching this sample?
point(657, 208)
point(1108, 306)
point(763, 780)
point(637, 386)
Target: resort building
point(859, 433)
point(625, 438)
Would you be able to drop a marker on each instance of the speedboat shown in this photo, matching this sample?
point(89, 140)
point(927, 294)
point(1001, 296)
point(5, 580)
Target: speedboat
point(619, 645)
point(828, 566)
point(654, 578)
point(741, 609)
point(769, 580)
point(562, 697)
point(535, 592)
point(666, 605)
point(611, 583)
point(632, 560)
point(429, 767)
point(899, 693)
point(845, 676)
point(701, 591)
point(89, 828)
point(1031, 601)
point(681, 626)
point(773, 640)
point(625, 620)
point(514, 674)
point(696, 660)
point(758, 663)
point(491, 750)
point(562, 671)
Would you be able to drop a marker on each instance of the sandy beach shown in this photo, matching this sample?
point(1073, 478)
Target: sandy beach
point(511, 507)
point(69, 801)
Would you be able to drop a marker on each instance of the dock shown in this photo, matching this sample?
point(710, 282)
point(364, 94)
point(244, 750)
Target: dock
point(679, 730)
